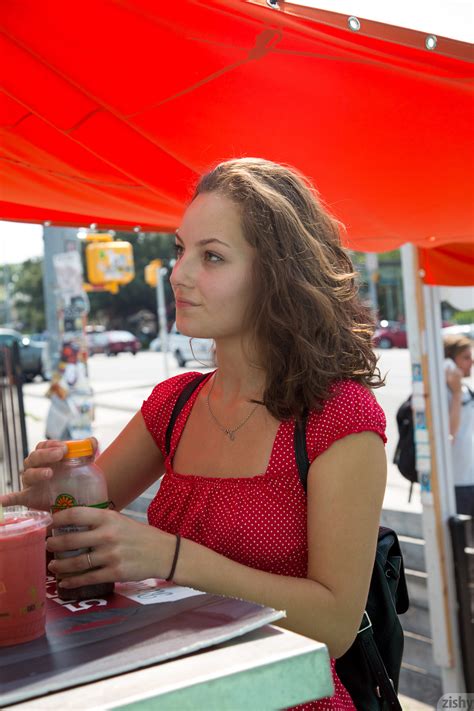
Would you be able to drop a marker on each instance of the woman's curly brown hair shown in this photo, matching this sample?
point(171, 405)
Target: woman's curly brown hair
point(309, 325)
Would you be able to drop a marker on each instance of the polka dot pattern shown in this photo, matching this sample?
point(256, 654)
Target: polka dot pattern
point(259, 521)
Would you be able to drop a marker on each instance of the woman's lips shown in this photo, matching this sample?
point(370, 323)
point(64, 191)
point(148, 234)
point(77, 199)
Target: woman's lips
point(182, 304)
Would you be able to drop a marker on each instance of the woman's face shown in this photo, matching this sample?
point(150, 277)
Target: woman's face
point(212, 277)
point(463, 361)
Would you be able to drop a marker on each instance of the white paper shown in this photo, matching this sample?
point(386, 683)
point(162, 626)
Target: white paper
point(152, 590)
point(68, 269)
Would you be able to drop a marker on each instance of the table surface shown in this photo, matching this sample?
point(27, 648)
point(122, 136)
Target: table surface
point(269, 668)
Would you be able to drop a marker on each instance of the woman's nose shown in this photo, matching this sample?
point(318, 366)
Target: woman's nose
point(182, 273)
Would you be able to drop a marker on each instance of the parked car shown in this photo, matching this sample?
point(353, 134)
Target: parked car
point(155, 345)
point(30, 352)
point(185, 349)
point(390, 334)
point(121, 342)
point(466, 329)
point(96, 342)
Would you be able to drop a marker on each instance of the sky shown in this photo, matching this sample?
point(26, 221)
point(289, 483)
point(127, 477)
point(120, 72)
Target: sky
point(20, 241)
point(446, 18)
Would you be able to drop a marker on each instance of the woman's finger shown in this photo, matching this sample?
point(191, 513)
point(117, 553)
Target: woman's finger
point(43, 457)
point(82, 516)
point(91, 577)
point(32, 477)
point(16, 498)
point(75, 564)
point(72, 541)
point(47, 443)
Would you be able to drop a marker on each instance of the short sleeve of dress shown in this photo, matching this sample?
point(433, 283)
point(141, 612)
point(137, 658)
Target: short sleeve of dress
point(157, 408)
point(352, 408)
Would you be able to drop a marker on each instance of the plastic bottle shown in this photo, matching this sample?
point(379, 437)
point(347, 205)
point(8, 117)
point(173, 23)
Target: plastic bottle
point(77, 481)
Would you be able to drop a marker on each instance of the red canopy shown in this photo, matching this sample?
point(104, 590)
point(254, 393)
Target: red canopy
point(112, 108)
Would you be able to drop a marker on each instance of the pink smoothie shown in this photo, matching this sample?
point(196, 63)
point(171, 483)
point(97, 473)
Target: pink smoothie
point(22, 575)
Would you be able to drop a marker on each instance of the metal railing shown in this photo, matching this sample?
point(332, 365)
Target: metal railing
point(461, 528)
point(13, 441)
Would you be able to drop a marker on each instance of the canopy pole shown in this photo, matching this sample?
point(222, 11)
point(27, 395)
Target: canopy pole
point(434, 464)
point(162, 321)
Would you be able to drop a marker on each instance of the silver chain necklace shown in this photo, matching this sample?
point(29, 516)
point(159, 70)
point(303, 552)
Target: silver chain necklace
point(230, 433)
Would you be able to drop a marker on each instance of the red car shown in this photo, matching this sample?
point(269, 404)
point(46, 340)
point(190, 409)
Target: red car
point(121, 342)
point(390, 334)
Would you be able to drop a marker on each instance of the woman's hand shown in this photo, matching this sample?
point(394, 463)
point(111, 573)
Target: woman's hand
point(120, 549)
point(37, 471)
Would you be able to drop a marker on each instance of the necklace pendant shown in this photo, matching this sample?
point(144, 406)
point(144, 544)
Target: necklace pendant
point(231, 435)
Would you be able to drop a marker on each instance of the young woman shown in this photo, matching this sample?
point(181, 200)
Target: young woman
point(458, 364)
point(260, 269)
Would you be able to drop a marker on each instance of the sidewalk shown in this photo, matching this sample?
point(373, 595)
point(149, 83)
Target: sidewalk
point(408, 704)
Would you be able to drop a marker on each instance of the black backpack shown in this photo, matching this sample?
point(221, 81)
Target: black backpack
point(405, 453)
point(370, 669)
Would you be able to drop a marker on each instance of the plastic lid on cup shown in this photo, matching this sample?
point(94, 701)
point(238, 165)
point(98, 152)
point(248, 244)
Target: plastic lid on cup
point(19, 519)
point(78, 448)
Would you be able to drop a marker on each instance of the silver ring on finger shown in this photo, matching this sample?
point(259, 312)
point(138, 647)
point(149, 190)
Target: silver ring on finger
point(88, 554)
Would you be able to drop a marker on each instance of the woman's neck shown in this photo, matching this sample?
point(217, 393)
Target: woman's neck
point(237, 378)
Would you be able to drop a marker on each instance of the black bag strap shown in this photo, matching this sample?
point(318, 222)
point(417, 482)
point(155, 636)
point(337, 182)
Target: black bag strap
point(301, 451)
point(365, 636)
point(383, 684)
point(183, 397)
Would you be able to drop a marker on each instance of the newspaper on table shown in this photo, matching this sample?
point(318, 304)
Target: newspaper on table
point(141, 624)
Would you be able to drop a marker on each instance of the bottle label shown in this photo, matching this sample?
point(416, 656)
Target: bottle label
point(67, 501)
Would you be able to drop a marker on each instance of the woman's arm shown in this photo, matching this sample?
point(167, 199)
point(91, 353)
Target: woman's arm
point(454, 381)
point(346, 486)
point(131, 463)
point(345, 492)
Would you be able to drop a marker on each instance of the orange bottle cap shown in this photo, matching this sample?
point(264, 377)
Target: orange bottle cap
point(78, 448)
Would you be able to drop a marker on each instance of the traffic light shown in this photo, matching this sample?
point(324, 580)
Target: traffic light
point(150, 271)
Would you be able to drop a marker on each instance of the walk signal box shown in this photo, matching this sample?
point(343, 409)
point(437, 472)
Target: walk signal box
point(109, 261)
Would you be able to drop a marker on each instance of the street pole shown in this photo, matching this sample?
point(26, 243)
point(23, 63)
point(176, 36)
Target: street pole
point(434, 464)
point(160, 300)
point(372, 267)
point(56, 241)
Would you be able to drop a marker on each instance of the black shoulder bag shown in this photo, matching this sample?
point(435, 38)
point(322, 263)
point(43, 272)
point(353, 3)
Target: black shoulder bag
point(370, 668)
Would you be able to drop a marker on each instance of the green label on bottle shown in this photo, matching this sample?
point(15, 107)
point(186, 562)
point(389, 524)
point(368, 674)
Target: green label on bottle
point(67, 501)
point(63, 501)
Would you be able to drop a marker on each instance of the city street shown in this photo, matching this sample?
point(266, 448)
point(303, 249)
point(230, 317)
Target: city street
point(121, 384)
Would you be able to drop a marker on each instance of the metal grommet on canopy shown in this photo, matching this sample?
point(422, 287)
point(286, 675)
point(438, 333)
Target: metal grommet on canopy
point(353, 23)
point(431, 41)
point(273, 4)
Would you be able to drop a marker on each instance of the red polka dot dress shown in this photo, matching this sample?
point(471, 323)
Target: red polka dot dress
point(259, 521)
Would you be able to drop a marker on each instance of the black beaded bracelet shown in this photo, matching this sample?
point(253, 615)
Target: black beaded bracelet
point(175, 558)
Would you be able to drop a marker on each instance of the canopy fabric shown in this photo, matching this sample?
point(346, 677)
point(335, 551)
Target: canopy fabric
point(111, 109)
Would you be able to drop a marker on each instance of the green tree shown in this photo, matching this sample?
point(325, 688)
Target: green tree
point(28, 298)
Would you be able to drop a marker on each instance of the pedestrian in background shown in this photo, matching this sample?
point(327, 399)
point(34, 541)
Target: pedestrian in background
point(457, 365)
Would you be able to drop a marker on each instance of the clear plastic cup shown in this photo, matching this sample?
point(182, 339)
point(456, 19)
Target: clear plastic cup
point(22, 574)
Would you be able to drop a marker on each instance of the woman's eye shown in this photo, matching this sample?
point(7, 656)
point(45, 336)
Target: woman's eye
point(211, 257)
point(178, 250)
